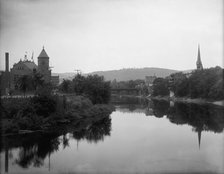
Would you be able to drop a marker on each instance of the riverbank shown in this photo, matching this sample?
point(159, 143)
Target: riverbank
point(188, 100)
point(43, 114)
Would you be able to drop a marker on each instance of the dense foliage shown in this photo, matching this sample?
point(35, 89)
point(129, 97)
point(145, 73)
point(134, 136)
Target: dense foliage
point(30, 83)
point(26, 113)
point(92, 86)
point(207, 84)
point(160, 87)
point(48, 112)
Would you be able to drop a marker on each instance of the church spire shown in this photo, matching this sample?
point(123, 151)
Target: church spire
point(199, 63)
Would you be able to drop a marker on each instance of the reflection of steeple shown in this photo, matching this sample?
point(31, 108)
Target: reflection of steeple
point(199, 138)
point(77, 144)
point(49, 161)
point(6, 160)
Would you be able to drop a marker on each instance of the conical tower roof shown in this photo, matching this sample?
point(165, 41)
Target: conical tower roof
point(43, 54)
point(199, 63)
point(199, 55)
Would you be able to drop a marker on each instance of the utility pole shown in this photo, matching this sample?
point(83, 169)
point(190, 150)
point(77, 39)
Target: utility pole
point(78, 71)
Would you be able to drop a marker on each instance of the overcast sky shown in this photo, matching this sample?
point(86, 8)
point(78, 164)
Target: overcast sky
point(93, 35)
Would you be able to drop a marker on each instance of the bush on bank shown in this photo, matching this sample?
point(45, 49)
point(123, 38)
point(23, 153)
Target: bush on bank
point(45, 112)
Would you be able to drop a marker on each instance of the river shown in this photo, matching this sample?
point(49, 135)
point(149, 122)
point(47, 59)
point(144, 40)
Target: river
point(139, 137)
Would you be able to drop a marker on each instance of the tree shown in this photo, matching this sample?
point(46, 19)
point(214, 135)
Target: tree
point(37, 79)
point(24, 83)
point(217, 90)
point(79, 84)
point(97, 89)
point(160, 87)
point(207, 83)
point(93, 86)
point(44, 90)
point(180, 84)
point(66, 86)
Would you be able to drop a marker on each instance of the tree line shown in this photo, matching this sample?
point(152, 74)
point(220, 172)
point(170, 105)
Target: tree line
point(207, 84)
point(92, 86)
point(34, 82)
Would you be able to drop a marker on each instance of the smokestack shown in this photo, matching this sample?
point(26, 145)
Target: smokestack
point(7, 62)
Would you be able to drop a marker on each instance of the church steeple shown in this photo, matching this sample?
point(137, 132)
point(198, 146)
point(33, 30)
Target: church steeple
point(199, 63)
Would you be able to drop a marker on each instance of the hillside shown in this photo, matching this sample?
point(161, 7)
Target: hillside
point(124, 74)
point(133, 74)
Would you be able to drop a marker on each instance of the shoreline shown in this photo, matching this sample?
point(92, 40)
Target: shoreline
point(188, 100)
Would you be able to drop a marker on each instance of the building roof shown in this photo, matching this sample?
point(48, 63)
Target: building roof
point(30, 65)
point(43, 54)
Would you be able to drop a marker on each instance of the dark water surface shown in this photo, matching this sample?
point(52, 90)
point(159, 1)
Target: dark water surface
point(139, 137)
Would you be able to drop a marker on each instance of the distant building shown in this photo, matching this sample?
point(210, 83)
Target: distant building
point(199, 63)
point(25, 67)
point(55, 80)
point(149, 83)
point(9, 79)
point(149, 80)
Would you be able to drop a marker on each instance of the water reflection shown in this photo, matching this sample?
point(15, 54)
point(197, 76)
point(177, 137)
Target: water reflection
point(35, 148)
point(129, 103)
point(200, 117)
point(94, 132)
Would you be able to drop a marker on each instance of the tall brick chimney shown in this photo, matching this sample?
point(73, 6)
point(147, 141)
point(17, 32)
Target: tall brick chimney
point(7, 62)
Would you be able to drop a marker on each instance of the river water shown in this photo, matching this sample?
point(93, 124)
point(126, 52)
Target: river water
point(139, 137)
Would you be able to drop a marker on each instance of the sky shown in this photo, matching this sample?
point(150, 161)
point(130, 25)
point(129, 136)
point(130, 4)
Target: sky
point(99, 35)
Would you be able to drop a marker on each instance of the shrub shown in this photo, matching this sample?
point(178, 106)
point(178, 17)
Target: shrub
point(44, 105)
point(10, 127)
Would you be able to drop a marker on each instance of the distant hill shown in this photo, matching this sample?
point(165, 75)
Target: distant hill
point(133, 74)
point(123, 74)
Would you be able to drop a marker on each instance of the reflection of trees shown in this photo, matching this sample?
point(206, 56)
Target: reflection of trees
point(34, 148)
point(36, 153)
point(98, 130)
point(201, 118)
point(94, 132)
point(129, 102)
point(65, 141)
point(160, 108)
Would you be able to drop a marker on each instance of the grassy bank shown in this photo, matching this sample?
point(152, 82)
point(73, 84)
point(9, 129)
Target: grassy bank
point(46, 113)
point(188, 100)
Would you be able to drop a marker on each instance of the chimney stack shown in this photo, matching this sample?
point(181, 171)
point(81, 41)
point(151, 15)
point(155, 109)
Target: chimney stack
point(7, 62)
